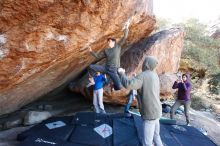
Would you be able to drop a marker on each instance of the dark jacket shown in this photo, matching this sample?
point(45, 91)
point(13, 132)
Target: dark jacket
point(112, 55)
point(183, 89)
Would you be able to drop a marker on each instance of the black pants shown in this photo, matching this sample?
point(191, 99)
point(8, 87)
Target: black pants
point(111, 71)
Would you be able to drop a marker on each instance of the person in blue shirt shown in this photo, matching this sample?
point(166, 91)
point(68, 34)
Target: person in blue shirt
point(99, 81)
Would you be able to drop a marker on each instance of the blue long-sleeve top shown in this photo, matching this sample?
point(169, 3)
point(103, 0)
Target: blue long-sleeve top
point(99, 80)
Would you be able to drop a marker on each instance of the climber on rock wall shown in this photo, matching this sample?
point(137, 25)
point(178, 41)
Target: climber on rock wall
point(112, 55)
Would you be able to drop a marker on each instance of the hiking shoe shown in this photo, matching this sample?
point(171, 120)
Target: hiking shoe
point(103, 112)
point(187, 123)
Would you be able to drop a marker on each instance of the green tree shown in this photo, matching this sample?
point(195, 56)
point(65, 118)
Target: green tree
point(199, 47)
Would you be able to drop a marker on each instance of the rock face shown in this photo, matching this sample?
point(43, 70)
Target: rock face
point(216, 108)
point(165, 45)
point(166, 83)
point(43, 43)
point(34, 117)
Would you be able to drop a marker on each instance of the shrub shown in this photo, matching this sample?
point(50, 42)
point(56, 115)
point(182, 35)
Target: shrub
point(214, 84)
point(198, 103)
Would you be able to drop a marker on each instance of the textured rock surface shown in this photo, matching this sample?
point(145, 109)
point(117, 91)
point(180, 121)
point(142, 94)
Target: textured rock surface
point(216, 108)
point(165, 45)
point(43, 42)
point(34, 117)
point(166, 83)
